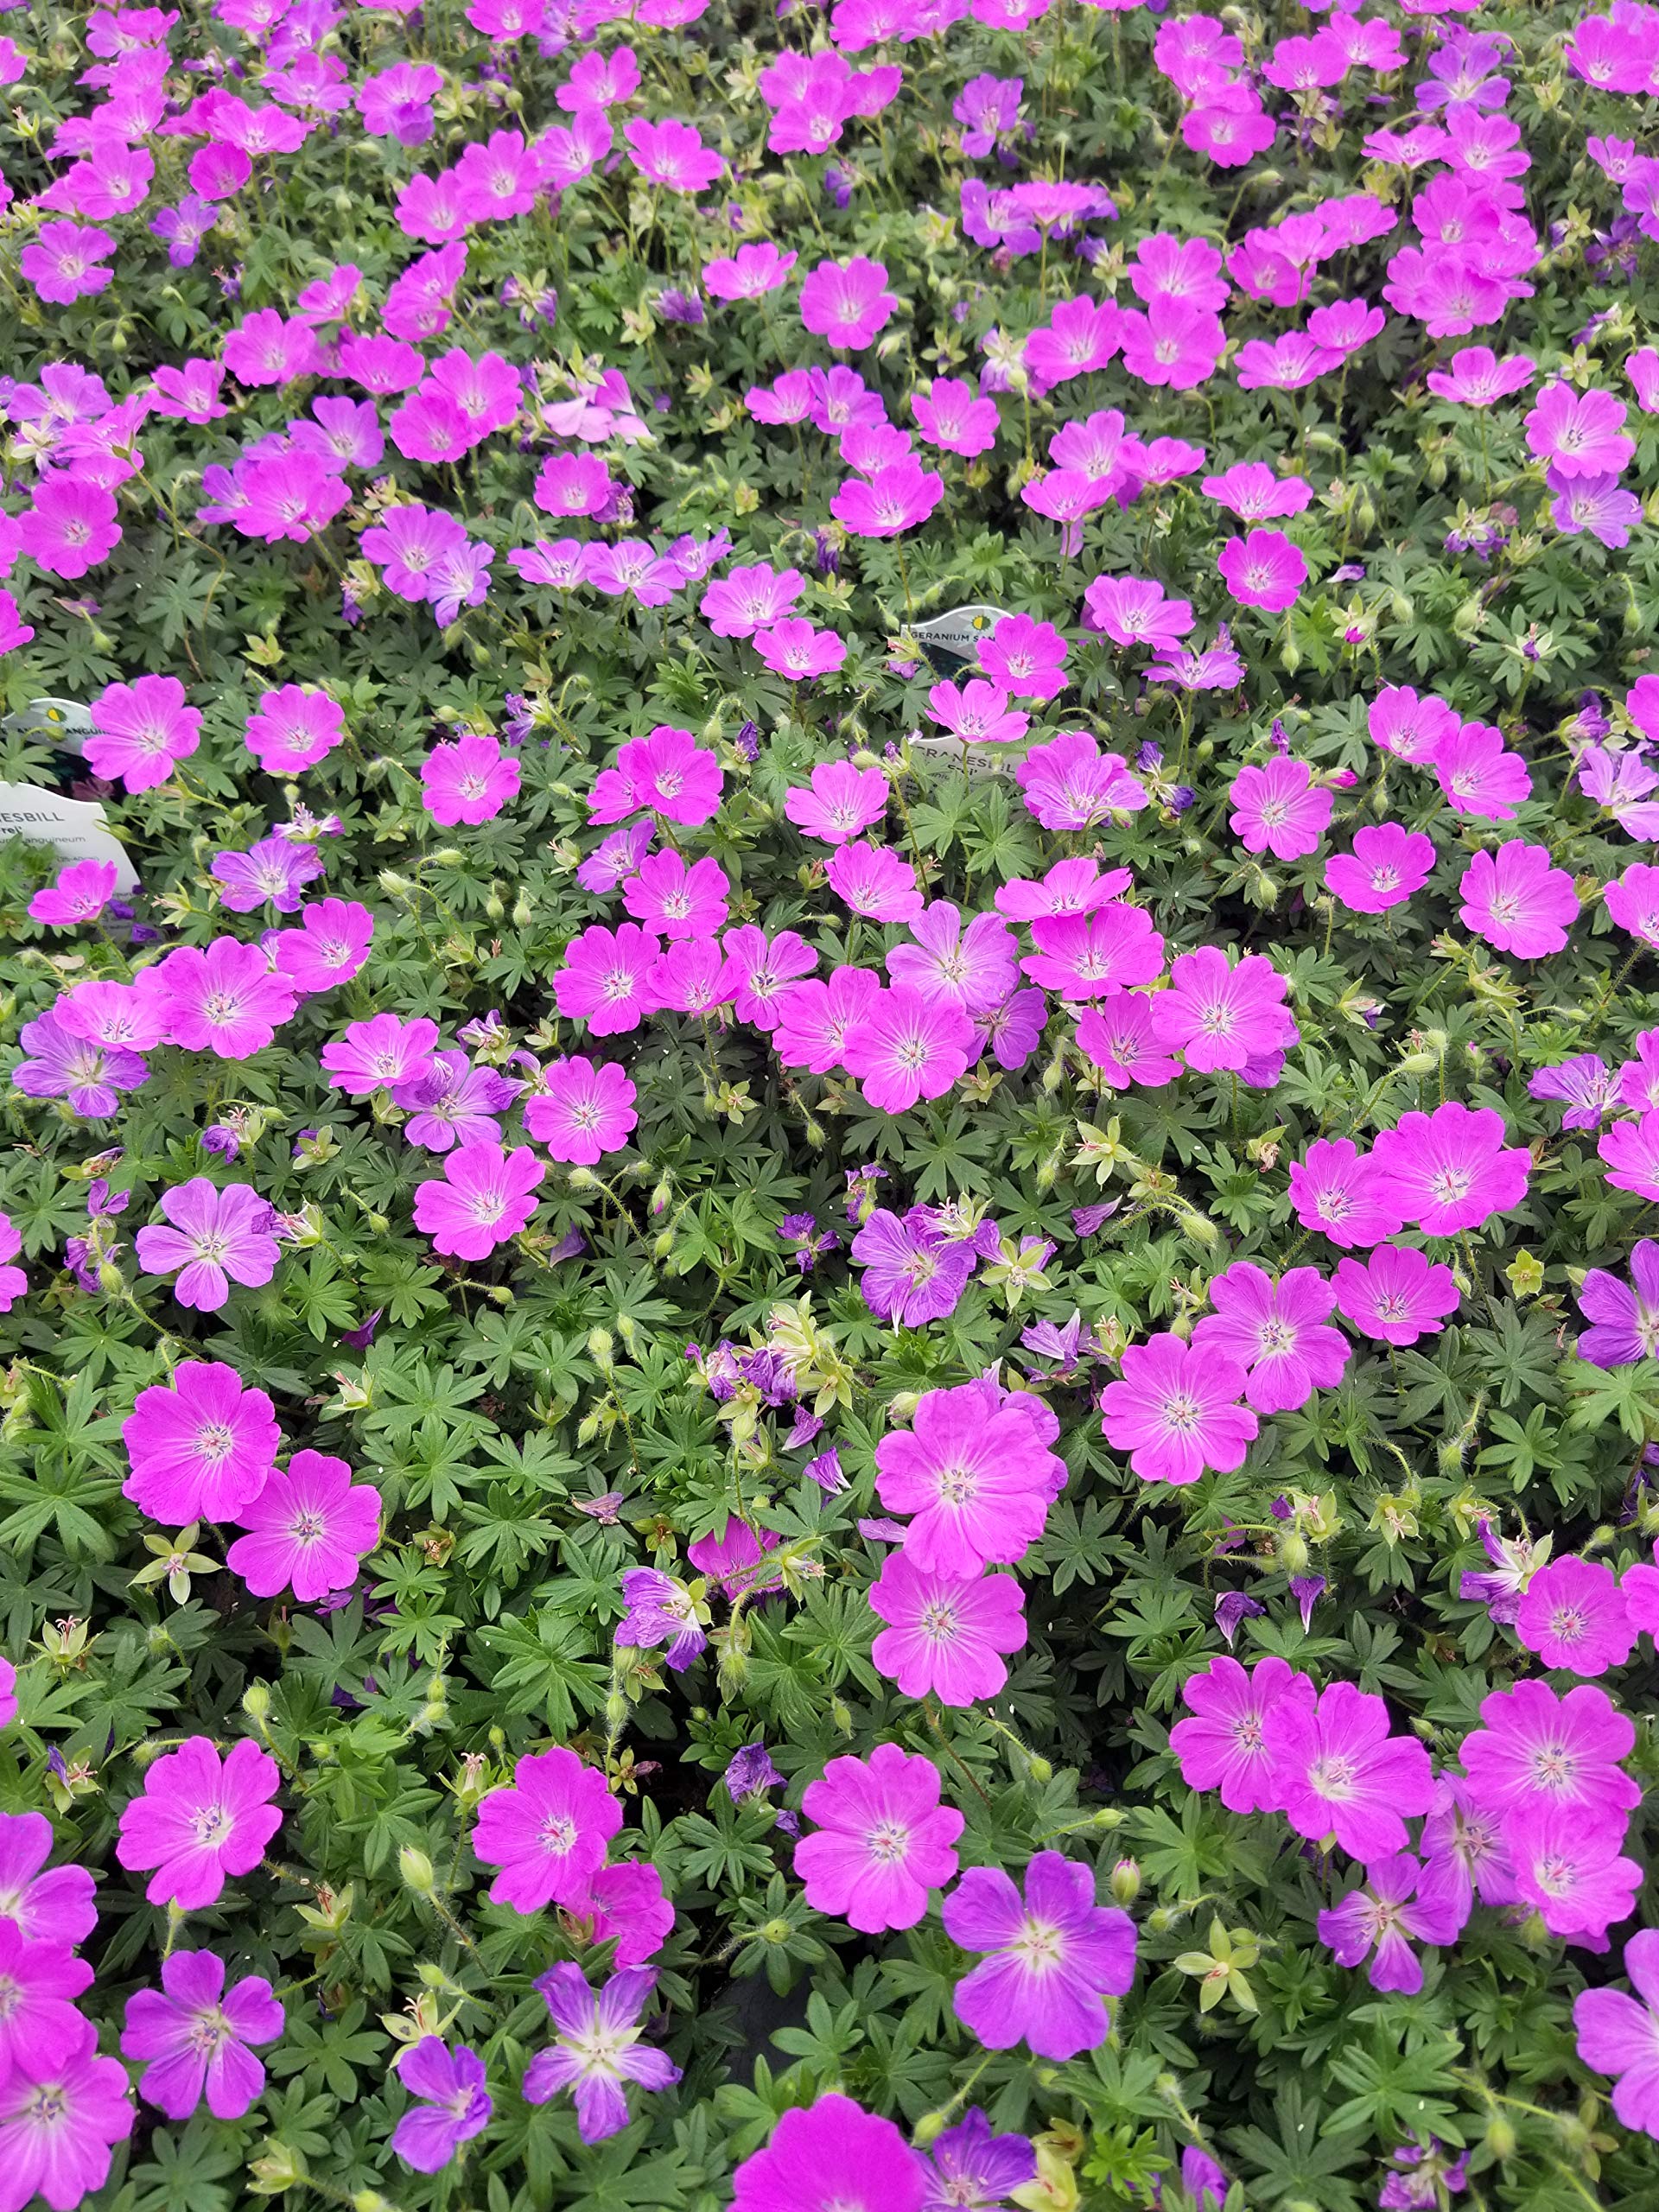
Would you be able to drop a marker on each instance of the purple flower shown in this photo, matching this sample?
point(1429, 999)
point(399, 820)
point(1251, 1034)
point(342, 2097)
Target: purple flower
point(1619, 2035)
point(1233, 1608)
point(213, 1238)
point(597, 2048)
point(911, 1276)
point(1425, 2176)
point(1624, 1317)
point(1583, 1084)
point(1381, 1916)
point(194, 2034)
point(660, 1610)
point(974, 2170)
point(1054, 1957)
point(751, 1770)
point(454, 2107)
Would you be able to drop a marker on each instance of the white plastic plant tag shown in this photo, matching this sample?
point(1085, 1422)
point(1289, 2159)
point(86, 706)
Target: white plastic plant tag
point(951, 642)
point(77, 829)
point(62, 722)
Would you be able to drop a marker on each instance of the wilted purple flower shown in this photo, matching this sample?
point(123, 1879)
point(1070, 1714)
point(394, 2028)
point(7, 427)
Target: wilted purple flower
point(751, 1770)
point(660, 1610)
point(1308, 1590)
point(825, 1471)
point(1514, 1560)
point(1233, 1607)
point(1426, 2175)
point(860, 1193)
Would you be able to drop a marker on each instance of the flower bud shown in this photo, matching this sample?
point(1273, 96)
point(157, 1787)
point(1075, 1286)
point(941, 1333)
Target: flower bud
point(1293, 1554)
point(416, 1870)
point(1124, 1882)
point(1500, 2138)
point(256, 1701)
point(928, 2129)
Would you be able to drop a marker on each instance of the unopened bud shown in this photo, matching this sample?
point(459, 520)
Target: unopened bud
point(1293, 1554)
point(416, 1870)
point(111, 1280)
point(1500, 2138)
point(601, 1344)
point(1124, 1882)
point(928, 2129)
point(523, 914)
point(256, 1701)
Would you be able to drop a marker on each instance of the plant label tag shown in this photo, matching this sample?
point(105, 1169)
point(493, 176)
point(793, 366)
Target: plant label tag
point(77, 829)
point(951, 642)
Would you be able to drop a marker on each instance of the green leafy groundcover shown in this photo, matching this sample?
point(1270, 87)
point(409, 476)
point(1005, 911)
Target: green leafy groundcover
point(532, 1422)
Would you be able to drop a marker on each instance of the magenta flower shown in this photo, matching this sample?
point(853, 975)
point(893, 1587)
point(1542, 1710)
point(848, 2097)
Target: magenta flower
point(882, 1839)
point(191, 2036)
point(200, 1819)
point(1464, 1852)
point(64, 261)
point(606, 978)
point(676, 901)
point(1342, 1773)
point(1119, 1038)
point(945, 1635)
point(139, 730)
point(1450, 1170)
point(1517, 901)
point(597, 2048)
point(1255, 492)
point(487, 1196)
point(1095, 955)
point(582, 1112)
point(974, 1477)
point(1631, 1150)
point(746, 599)
point(758, 970)
point(1277, 1332)
point(54, 1907)
point(1572, 1874)
point(1224, 1745)
point(907, 1046)
point(1176, 1411)
point(832, 2153)
point(668, 772)
point(842, 802)
point(1580, 433)
point(39, 1983)
point(548, 1833)
point(1025, 658)
point(670, 153)
point(1544, 1752)
point(226, 1000)
point(1055, 1956)
point(273, 871)
point(70, 528)
point(977, 712)
point(1387, 865)
point(469, 780)
point(79, 893)
point(1632, 900)
point(451, 2103)
point(1480, 775)
point(1070, 784)
point(798, 651)
point(1625, 1318)
point(1132, 611)
point(1395, 1905)
point(89, 1073)
point(373, 1055)
point(1410, 728)
point(1221, 1015)
point(201, 1448)
point(308, 1530)
point(625, 1905)
point(892, 500)
point(61, 2113)
point(872, 881)
point(973, 967)
point(14, 1283)
point(951, 415)
point(1573, 1616)
point(751, 272)
point(1618, 2035)
point(1586, 1086)
point(846, 302)
point(1336, 1189)
point(294, 728)
point(217, 1237)
point(1279, 808)
point(1263, 569)
point(911, 1276)
point(1397, 1296)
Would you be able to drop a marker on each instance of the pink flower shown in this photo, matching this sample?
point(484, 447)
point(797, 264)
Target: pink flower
point(972, 1473)
point(70, 527)
point(1632, 900)
point(846, 303)
point(264, 349)
point(469, 780)
point(1224, 1745)
point(80, 893)
point(814, 1020)
point(61, 2112)
point(1277, 1332)
point(1409, 727)
point(328, 948)
point(1219, 1015)
point(191, 2036)
point(1479, 774)
point(140, 729)
point(1573, 1616)
point(1396, 1297)
point(583, 1110)
point(1081, 335)
point(831, 2152)
point(1618, 2035)
point(1580, 434)
point(200, 1819)
point(759, 968)
point(1381, 1916)
point(893, 500)
point(668, 772)
point(1173, 343)
point(1478, 378)
point(1342, 1773)
point(1176, 1413)
point(670, 153)
point(1025, 658)
point(625, 1905)
point(749, 273)
point(677, 901)
point(872, 881)
point(225, 1000)
point(972, 967)
point(1387, 865)
point(1631, 1153)
point(1263, 569)
point(842, 802)
point(1095, 955)
point(218, 1237)
point(907, 1046)
point(1055, 1956)
point(62, 261)
point(1255, 492)
point(41, 1982)
point(882, 1841)
point(796, 650)
point(294, 728)
point(1119, 1038)
point(1451, 1170)
point(606, 978)
point(373, 1055)
point(485, 1197)
point(1336, 1189)
point(548, 1833)
point(308, 1530)
point(944, 1634)
point(746, 599)
point(950, 416)
point(1539, 1751)
point(571, 484)
point(199, 1448)
point(1279, 808)
point(1517, 901)
point(273, 871)
point(1573, 1875)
